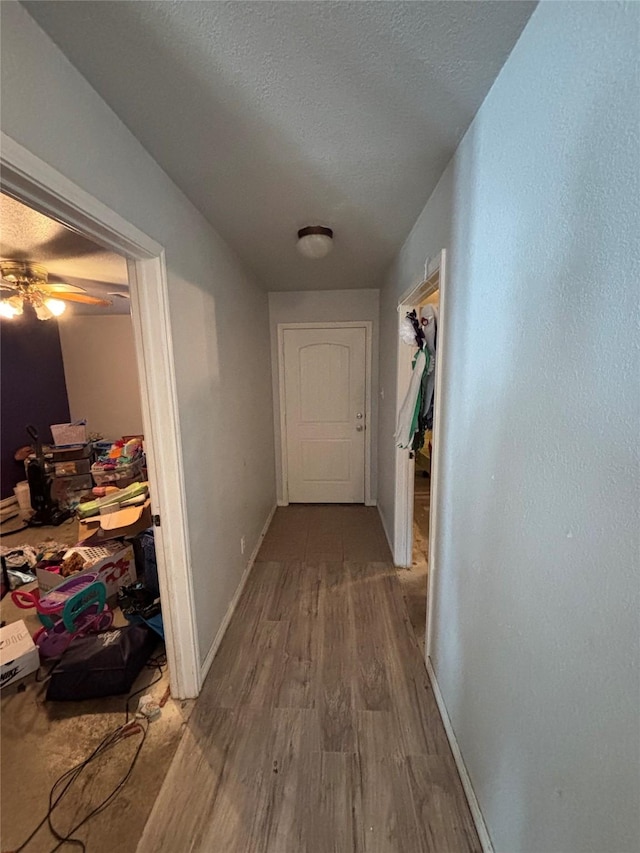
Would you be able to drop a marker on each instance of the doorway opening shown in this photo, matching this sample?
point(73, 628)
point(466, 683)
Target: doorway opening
point(30, 180)
point(80, 567)
point(417, 466)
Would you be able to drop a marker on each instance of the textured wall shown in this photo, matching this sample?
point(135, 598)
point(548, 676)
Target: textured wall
point(101, 372)
point(33, 387)
point(536, 634)
point(325, 306)
point(223, 385)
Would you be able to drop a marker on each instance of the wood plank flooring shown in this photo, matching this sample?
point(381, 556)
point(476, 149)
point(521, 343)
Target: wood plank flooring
point(414, 580)
point(316, 730)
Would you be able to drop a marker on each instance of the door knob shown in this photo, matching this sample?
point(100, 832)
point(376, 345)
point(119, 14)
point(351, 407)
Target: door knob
point(359, 428)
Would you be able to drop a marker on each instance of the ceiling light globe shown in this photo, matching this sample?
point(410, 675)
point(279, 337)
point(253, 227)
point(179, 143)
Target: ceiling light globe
point(315, 242)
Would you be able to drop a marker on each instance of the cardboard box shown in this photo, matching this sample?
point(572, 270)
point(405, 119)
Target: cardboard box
point(113, 561)
point(128, 521)
point(18, 653)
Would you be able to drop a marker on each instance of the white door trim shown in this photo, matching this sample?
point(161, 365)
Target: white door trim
point(367, 325)
point(33, 181)
point(403, 528)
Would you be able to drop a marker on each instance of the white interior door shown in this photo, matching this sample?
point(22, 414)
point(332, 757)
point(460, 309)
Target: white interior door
point(324, 383)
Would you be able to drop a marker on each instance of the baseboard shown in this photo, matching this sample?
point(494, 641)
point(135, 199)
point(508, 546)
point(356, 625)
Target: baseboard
point(386, 533)
point(206, 665)
point(474, 806)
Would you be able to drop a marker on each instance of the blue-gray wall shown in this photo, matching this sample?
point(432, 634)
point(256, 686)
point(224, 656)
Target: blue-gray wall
point(33, 387)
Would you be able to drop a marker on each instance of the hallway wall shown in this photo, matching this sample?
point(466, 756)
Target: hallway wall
point(536, 638)
point(224, 390)
point(325, 306)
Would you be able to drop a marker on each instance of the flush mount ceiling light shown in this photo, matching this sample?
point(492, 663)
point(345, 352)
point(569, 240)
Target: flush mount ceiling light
point(315, 241)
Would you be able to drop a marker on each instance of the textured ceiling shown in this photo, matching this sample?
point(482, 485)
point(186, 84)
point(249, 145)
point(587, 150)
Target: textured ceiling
point(27, 235)
point(276, 115)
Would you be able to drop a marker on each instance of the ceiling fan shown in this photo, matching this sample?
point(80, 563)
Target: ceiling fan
point(29, 282)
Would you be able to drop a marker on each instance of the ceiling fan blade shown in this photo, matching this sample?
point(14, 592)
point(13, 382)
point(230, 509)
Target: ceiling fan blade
point(57, 287)
point(84, 298)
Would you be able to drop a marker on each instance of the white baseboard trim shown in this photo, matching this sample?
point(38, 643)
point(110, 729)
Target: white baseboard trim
point(386, 533)
point(206, 665)
point(478, 819)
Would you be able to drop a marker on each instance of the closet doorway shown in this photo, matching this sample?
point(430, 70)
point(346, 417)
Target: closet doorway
point(416, 531)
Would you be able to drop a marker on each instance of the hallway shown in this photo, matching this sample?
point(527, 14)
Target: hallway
point(316, 729)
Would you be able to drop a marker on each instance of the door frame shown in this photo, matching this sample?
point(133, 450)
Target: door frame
point(405, 466)
point(367, 325)
point(31, 180)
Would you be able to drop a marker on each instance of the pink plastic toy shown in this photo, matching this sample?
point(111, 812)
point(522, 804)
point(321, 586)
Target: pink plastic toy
point(76, 607)
point(52, 642)
point(52, 603)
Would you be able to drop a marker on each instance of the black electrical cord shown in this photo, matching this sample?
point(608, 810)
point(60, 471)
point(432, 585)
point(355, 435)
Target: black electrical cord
point(64, 839)
point(70, 776)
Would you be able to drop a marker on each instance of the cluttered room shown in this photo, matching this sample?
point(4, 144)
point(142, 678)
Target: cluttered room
point(84, 685)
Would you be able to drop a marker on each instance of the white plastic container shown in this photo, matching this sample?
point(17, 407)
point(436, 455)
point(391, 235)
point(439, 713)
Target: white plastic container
point(23, 495)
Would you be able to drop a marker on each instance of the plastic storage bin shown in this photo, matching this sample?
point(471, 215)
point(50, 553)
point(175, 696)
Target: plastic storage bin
point(68, 454)
point(121, 476)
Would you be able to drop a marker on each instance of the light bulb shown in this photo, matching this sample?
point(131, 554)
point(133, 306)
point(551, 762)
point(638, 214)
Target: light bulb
point(56, 306)
point(7, 310)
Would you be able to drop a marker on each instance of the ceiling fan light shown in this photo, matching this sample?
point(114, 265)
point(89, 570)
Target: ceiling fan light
point(17, 303)
point(42, 311)
point(315, 241)
point(7, 310)
point(56, 306)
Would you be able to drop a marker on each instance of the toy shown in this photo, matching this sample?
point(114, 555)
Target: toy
point(75, 608)
point(52, 604)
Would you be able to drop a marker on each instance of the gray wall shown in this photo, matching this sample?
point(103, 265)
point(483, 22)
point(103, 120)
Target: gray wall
point(536, 629)
point(325, 306)
point(224, 386)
